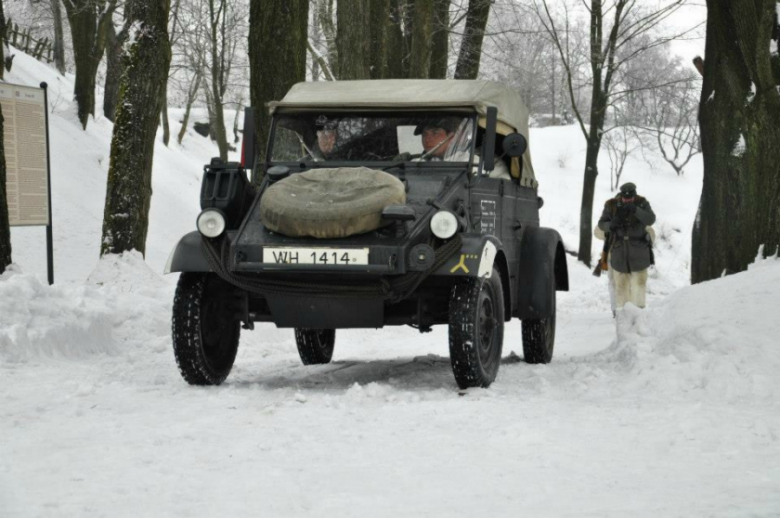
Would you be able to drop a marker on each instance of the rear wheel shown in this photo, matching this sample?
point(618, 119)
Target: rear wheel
point(539, 337)
point(205, 331)
point(476, 330)
point(315, 346)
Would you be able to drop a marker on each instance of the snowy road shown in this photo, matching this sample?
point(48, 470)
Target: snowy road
point(608, 429)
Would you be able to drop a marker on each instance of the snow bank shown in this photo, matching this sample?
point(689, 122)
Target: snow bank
point(716, 340)
point(41, 321)
point(122, 302)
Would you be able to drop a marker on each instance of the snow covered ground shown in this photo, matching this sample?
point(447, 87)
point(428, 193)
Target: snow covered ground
point(671, 411)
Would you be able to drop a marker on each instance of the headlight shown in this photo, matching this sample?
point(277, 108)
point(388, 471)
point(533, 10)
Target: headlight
point(444, 224)
point(211, 222)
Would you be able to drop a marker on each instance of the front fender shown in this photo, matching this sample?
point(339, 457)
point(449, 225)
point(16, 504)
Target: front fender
point(187, 255)
point(475, 258)
point(543, 271)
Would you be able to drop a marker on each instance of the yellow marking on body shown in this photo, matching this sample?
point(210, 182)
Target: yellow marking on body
point(461, 265)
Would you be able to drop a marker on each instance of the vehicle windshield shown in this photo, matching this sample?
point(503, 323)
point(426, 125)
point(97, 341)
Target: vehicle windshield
point(372, 137)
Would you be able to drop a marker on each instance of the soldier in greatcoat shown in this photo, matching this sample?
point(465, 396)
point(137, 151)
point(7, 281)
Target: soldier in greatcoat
point(626, 222)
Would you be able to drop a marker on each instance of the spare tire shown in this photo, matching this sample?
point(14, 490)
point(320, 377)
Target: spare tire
point(330, 203)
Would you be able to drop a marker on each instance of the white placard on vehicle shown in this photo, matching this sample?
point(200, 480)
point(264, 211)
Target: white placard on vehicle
point(324, 256)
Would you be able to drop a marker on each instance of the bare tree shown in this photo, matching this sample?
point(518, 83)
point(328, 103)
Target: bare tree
point(89, 20)
point(614, 25)
point(59, 40)
point(672, 124)
point(621, 142)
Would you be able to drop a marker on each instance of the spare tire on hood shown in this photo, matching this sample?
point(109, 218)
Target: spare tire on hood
point(330, 203)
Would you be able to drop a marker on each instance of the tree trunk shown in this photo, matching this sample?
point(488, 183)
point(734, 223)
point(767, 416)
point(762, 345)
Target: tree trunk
point(5, 229)
point(739, 112)
point(129, 190)
point(352, 38)
point(471, 44)
point(166, 126)
point(277, 59)
point(59, 40)
point(324, 16)
point(192, 95)
point(588, 192)
point(89, 22)
point(395, 43)
point(378, 27)
point(441, 39)
point(219, 133)
point(422, 40)
point(2, 54)
point(114, 65)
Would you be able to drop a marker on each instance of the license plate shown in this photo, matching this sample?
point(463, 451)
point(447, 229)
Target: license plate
point(331, 256)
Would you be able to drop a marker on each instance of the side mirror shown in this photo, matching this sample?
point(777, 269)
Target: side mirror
point(514, 145)
point(489, 142)
point(398, 213)
point(248, 142)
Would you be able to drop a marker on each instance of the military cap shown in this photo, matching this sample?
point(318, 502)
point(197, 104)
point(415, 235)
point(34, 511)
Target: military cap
point(446, 123)
point(628, 190)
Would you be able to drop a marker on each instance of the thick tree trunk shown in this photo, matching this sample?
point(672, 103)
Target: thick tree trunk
point(422, 39)
point(5, 229)
point(129, 190)
point(114, 66)
point(352, 39)
point(739, 112)
point(277, 59)
point(59, 40)
point(440, 40)
point(471, 44)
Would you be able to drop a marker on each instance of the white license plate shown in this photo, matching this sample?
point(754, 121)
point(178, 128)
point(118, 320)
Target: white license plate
point(331, 256)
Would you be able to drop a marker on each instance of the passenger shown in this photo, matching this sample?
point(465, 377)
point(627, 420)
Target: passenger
point(437, 136)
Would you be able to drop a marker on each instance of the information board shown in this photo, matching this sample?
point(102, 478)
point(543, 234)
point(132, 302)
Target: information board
point(24, 137)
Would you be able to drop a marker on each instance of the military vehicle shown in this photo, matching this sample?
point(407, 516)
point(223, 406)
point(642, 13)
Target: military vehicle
point(377, 203)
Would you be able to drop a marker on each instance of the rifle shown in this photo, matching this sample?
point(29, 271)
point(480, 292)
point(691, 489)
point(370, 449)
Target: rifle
point(602, 264)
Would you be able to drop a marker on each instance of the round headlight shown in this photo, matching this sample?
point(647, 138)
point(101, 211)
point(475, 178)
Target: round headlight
point(444, 224)
point(211, 222)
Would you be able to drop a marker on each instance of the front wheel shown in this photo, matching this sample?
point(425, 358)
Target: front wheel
point(205, 332)
point(539, 337)
point(315, 346)
point(476, 329)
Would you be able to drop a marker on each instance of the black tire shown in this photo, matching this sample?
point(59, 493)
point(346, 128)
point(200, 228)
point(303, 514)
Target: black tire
point(315, 346)
point(539, 337)
point(476, 330)
point(205, 332)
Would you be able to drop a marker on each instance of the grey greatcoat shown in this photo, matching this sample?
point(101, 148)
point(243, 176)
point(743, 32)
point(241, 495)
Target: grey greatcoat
point(630, 243)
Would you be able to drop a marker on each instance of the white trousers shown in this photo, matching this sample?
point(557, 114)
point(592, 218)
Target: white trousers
point(627, 287)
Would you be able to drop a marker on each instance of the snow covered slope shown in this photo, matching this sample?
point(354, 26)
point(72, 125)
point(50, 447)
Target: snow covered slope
point(671, 411)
